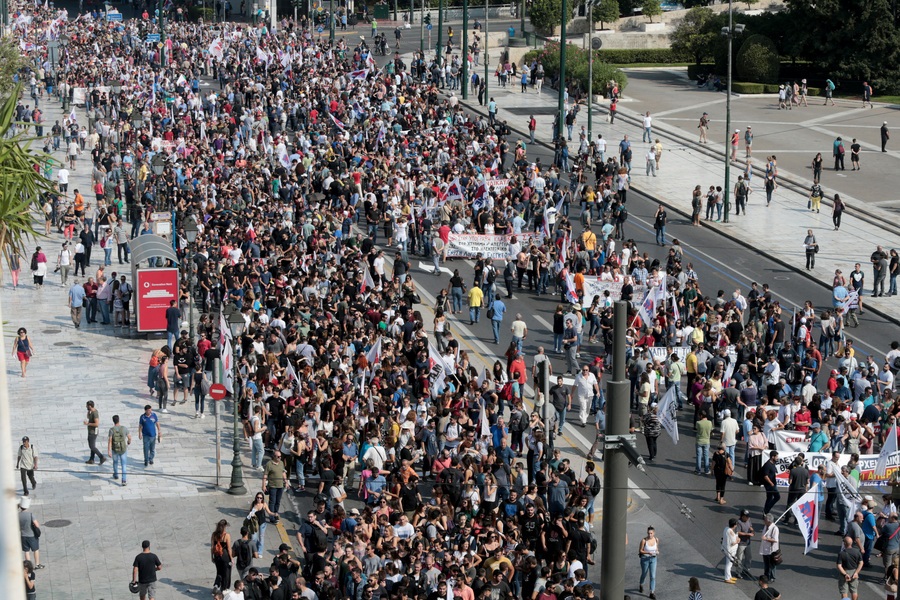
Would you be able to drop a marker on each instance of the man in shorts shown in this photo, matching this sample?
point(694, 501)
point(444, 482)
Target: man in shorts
point(146, 564)
point(849, 564)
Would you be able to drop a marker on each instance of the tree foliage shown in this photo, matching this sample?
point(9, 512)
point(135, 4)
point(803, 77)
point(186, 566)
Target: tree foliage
point(11, 61)
point(606, 12)
point(577, 66)
point(850, 39)
point(546, 14)
point(21, 185)
point(758, 60)
point(693, 34)
point(652, 8)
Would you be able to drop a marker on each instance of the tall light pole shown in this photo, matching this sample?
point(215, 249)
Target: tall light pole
point(591, 49)
point(522, 19)
point(331, 20)
point(162, 36)
point(190, 232)
point(236, 324)
point(440, 39)
point(729, 33)
point(465, 51)
point(486, 52)
point(562, 70)
point(422, 32)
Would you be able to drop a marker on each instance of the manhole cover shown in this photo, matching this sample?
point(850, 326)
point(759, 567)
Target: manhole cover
point(63, 344)
point(51, 331)
point(57, 523)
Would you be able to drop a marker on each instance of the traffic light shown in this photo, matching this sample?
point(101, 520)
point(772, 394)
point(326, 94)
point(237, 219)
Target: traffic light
point(428, 18)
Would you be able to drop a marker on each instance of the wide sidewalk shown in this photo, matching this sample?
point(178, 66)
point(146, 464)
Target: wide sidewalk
point(92, 526)
point(776, 231)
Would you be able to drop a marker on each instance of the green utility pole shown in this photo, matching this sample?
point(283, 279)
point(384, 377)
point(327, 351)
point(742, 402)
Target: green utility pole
point(440, 41)
point(486, 46)
point(422, 31)
point(331, 21)
point(162, 35)
point(522, 19)
point(727, 202)
point(465, 51)
point(562, 70)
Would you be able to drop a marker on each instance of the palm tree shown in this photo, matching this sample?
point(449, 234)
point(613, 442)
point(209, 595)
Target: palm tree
point(22, 183)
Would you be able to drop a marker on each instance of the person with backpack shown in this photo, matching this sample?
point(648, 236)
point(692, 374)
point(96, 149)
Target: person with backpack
point(592, 484)
point(117, 448)
point(222, 558)
point(242, 550)
point(741, 192)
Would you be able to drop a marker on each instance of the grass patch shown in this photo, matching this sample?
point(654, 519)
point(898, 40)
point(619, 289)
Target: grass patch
point(663, 65)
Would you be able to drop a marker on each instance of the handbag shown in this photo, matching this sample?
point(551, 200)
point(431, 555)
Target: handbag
point(881, 542)
point(729, 468)
point(35, 530)
point(776, 557)
point(205, 385)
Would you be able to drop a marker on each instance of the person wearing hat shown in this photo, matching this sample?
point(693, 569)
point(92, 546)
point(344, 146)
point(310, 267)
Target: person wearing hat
point(29, 527)
point(885, 136)
point(735, 142)
point(818, 439)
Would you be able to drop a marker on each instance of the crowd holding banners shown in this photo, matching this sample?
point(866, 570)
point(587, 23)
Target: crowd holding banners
point(280, 145)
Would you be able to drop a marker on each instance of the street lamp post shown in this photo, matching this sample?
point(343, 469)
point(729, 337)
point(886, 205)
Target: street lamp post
point(487, 45)
point(236, 324)
point(190, 232)
point(63, 41)
point(590, 16)
point(465, 51)
point(158, 166)
point(729, 33)
point(440, 39)
point(562, 70)
point(162, 36)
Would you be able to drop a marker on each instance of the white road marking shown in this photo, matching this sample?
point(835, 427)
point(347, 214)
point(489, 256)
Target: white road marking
point(430, 268)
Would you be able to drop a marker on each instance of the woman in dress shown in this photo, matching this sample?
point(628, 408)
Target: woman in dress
point(23, 349)
point(758, 444)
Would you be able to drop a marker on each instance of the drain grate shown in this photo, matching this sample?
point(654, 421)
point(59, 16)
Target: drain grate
point(57, 523)
point(63, 344)
point(51, 331)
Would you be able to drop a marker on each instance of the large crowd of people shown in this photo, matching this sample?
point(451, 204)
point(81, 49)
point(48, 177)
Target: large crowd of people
point(312, 174)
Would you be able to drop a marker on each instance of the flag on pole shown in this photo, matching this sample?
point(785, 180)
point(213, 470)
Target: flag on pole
point(675, 312)
point(455, 191)
point(647, 310)
point(438, 369)
point(359, 75)
point(888, 449)
point(228, 367)
point(847, 493)
point(483, 421)
point(571, 292)
point(806, 511)
point(262, 55)
point(224, 330)
point(481, 197)
point(482, 378)
point(337, 122)
point(217, 49)
point(367, 283)
point(72, 116)
point(370, 61)
point(291, 374)
point(668, 413)
point(374, 354)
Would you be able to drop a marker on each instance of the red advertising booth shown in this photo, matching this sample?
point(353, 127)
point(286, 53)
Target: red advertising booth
point(154, 287)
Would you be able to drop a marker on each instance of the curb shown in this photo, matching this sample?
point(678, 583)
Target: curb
point(718, 230)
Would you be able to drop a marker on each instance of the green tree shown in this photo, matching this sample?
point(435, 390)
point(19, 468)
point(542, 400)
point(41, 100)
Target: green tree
point(758, 60)
point(545, 14)
point(11, 60)
point(652, 8)
point(750, 3)
point(865, 44)
point(693, 35)
point(606, 12)
point(21, 185)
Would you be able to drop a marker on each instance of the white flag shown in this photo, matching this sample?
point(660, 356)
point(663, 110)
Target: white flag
point(228, 366)
point(485, 427)
point(483, 377)
point(668, 413)
point(847, 493)
point(806, 511)
point(374, 355)
point(888, 449)
point(438, 369)
point(291, 374)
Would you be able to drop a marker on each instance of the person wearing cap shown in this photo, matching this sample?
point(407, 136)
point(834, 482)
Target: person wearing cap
point(735, 142)
point(27, 526)
point(818, 439)
point(27, 464)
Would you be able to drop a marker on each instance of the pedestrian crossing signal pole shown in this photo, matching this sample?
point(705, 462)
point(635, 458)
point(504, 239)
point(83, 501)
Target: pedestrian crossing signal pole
point(729, 33)
point(562, 69)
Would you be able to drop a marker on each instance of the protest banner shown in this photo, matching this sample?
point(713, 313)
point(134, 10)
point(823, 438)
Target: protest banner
point(464, 245)
point(790, 441)
point(594, 287)
point(867, 466)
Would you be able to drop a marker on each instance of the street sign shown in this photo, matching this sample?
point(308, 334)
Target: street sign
point(152, 38)
point(596, 43)
point(217, 391)
point(114, 17)
point(429, 26)
point(320, 29)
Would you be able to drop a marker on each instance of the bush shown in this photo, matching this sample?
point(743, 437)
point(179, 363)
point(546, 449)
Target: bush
point(770, 88)
point(758, 60)
point(740, 87)
point(643, 55)
point(198, 12)
point(577, 67)
point(694, 70)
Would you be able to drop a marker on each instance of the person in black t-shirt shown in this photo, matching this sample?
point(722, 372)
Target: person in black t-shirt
point(146, 564)
point(765, 592)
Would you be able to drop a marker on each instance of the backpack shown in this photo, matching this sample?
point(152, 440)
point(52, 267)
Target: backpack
point(595, 485)
point(119, 441)
point(490, 311)
point(243, 554)
point(319, 540)
point(218, 548)
point(896, 364)
point(506, 392)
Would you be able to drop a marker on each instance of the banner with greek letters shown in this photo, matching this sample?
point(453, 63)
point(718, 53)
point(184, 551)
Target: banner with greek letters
point(464, 245)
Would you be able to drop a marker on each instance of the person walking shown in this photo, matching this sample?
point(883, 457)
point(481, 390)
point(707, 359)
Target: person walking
point(23, 349)
point(495, 311)
point(729, 546)
point(652, 429)
point(117, 443)
point(64, 263)
point(27, 464)
point(93, 426)
point(14, 260)
point(75, 302)
point(647, 136)
point(30, 531)
point(867, 99)
point(660, 220)
point(748, 141)
point(837, 151)
point(770, 547)
point(150, 432)
point(704, 431)
point(648, 551)
point(584, 389)
point(561, 400)
point(173, 323)
point(274, 480)
point(768, 476)
point(476, 302)
point(815, 197)
point(837, 211)
point(722, 468)
point(222, 558)
point(144, 569)
point(885, 136)
point(811, 247)
point(849, 565)
point(704, 127)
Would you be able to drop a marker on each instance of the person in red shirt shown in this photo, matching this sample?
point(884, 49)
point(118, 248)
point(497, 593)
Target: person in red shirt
point(517, 372)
